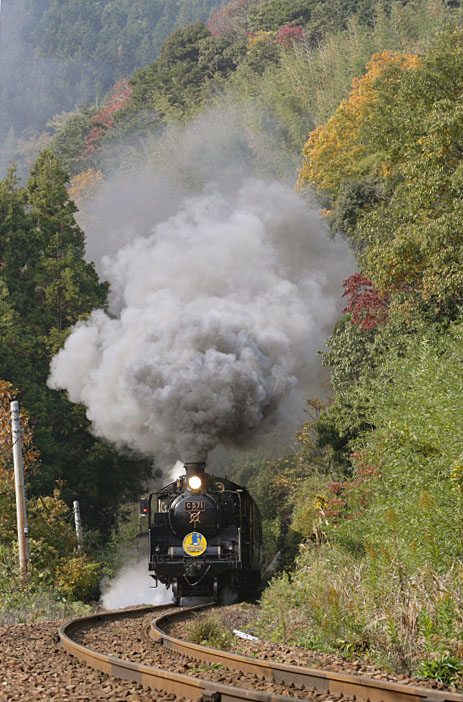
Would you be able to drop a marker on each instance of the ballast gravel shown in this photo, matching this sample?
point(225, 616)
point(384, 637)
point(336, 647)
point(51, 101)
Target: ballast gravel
point(33, 666)
point(127, 640)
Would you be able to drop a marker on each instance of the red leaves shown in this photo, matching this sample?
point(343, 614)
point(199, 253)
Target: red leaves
point(348, 499)
point(367, 307)
point(288, 34)
point(119, 98)
point(230, 20)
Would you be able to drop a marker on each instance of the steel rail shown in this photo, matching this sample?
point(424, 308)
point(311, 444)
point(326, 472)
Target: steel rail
point(181, 685)
point(323, 680)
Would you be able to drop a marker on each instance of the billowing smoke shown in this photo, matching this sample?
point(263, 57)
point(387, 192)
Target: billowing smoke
point(132, 586)
point(219, 313)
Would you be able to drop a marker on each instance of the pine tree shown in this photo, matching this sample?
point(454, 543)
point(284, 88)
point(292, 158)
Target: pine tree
point(45, 287)
point(67, 286)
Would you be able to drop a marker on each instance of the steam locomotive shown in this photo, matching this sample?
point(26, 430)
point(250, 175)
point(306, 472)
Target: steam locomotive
point(205, 537)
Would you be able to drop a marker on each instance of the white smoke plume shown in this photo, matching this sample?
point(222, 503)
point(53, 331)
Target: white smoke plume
point(219, 312)
point(132, 586)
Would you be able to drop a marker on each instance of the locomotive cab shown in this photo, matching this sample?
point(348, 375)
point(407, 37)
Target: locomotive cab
point(205, 537)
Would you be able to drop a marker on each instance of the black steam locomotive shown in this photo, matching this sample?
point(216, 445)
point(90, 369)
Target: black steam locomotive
point(205, 537)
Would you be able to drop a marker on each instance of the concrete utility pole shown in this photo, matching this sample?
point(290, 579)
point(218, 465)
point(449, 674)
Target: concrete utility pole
point(21, 512)
point(78, 523)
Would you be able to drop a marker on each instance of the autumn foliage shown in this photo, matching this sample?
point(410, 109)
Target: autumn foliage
point(336, 151)
point(288, 34)
point(84, 185)
point(366, 306)
point(104, 119)
point(231, 20)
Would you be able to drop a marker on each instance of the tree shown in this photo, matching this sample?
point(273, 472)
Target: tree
point(46, 286)
point(70, 140)
point(117, 100)
point(273, 14)
point(179, 81)
point(366, 306)
point(85, 185)
point(338, 151)
point(400, 132)
point(231, 20)
point(67, 286)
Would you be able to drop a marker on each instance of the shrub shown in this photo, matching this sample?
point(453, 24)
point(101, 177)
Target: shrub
point(78, 578)
point(210, 630)
point(446, 669)
point(370, 607)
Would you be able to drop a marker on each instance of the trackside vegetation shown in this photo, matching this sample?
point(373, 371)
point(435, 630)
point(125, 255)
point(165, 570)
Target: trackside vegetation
point(360, 103)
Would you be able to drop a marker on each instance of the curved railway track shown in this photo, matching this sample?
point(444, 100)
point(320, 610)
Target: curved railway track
point(325, 682)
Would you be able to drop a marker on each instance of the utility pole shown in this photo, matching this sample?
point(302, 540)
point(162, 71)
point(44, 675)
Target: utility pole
point(21, 512)
point(78, 523)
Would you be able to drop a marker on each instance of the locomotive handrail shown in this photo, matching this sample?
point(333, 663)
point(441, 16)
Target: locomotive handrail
point(187, 545)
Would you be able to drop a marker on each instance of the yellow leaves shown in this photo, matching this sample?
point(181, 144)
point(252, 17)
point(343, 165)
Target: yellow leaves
point(84, 185)
point(337, 150)
point(320, 502)
point(386, 169)
point(258, 37)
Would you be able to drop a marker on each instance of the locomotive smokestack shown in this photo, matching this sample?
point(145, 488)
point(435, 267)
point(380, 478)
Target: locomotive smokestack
point(197, 468)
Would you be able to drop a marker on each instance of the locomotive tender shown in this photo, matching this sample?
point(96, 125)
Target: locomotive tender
point(204, 537)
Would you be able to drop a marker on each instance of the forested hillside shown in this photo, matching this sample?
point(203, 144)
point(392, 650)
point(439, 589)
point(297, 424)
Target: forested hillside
point(357, 105)
point(58, 54)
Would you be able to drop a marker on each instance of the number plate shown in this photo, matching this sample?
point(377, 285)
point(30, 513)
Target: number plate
point(195, 506)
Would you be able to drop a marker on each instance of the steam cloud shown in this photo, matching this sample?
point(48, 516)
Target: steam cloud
point(132, 585)
point(220, 310)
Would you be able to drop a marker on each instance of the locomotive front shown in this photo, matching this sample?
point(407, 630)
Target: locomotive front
point(205, 537)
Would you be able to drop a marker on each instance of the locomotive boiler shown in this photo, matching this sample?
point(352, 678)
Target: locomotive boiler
point(204, 537)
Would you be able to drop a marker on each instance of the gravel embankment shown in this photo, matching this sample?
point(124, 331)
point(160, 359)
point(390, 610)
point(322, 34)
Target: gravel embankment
point(34, 667)
point(243, 617)
point(126, 640)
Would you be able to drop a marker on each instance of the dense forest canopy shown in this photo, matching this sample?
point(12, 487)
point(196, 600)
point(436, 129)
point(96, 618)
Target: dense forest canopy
point(58, 54)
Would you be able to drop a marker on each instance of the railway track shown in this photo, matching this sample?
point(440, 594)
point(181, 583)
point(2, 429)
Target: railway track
point(294, 681)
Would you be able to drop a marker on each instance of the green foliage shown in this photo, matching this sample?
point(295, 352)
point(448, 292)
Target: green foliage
point(68, 144)
point(78, 578)
point(412, 499)
point(390, 159)
point(68, 52)
point(290, 491)
point(275, 93)
point(446, 669)
point(368, 608)
point(384, 580)
point(306, 84)
point(319, 18)
point(272, 14)
point(31, 602)
point(209, 630)
point(46, 286)
point(179, 81)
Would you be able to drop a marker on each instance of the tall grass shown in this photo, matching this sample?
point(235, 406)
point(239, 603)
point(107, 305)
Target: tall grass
point(368, 607)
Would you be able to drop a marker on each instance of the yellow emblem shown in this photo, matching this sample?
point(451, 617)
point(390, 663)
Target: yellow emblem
point(194, 544)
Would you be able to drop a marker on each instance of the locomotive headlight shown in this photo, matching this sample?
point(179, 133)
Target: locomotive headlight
point(194, 482)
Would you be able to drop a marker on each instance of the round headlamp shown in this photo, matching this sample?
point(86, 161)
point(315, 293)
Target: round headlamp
point(194, 482)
